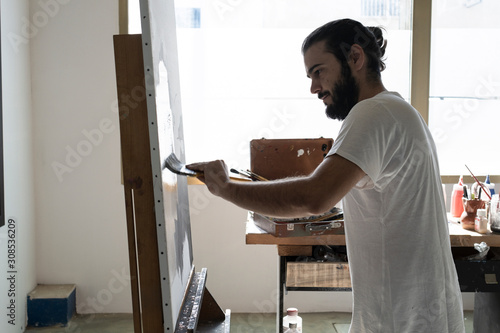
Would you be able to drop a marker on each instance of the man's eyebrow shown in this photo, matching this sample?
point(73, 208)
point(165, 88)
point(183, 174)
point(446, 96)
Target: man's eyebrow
point(310, 70)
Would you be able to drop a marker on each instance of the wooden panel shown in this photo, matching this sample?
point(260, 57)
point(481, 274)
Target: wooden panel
point(318, 275)
point(420, 67)
point(134, 274)
point(123, 17)
point(138, 186)
point(295, 250)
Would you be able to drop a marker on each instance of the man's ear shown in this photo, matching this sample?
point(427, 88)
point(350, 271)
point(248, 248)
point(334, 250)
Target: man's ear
point(357, 57)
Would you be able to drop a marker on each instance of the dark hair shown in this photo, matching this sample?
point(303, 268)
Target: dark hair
point(340, 35)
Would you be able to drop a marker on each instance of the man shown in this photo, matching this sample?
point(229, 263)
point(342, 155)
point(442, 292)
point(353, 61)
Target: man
point(383, 164)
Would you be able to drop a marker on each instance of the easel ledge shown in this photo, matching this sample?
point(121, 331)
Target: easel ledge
point(200, 312)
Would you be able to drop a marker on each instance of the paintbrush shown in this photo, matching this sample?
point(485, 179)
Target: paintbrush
point(480, 184)
point(173, 164)
point(256, 176)
point(241, 173)
point(248, 174)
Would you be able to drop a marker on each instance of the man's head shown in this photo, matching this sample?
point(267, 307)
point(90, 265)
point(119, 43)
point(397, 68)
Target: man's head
point(332, 51)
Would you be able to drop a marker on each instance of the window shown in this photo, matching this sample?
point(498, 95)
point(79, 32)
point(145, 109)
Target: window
point(381, 8)
point(464, 92)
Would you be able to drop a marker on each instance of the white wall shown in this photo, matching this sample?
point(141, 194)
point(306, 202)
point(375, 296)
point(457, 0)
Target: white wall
point(18, 170)
point(81, 235)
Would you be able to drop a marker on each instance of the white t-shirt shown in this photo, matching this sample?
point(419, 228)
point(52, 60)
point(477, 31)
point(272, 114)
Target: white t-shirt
point(402, 271)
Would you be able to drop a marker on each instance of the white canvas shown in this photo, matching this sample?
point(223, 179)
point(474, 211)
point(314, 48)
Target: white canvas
point(166, 136)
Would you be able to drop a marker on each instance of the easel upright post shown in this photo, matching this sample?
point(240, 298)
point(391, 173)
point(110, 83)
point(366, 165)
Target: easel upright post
point(138, 186)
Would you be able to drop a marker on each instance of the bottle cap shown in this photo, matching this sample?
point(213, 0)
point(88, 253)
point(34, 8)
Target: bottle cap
point(481, 212)
point(292, 311)
point(487, 181)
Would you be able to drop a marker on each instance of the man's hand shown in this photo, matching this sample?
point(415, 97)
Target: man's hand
point(214, 174)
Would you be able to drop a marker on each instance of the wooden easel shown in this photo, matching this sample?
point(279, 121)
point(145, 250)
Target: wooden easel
point(199, 311)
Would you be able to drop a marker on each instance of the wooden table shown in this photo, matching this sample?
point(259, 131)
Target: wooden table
point(303, 246)
point(459, 237)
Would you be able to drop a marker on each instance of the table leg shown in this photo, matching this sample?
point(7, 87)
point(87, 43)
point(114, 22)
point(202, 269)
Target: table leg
point(486, 309)
point(281, 287)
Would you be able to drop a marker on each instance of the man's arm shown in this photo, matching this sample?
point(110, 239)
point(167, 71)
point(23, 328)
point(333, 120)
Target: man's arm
point(289, 197)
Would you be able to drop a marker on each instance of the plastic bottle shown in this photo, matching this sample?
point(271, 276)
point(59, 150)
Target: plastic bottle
point(292, 317)
point(491, 186)
point(481, 221)
point(292, 328)
point(457, 208)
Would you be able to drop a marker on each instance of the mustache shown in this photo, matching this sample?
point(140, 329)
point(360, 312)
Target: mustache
point(322, 94)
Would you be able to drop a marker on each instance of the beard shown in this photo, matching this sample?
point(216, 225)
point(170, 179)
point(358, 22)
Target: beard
point(345, 95)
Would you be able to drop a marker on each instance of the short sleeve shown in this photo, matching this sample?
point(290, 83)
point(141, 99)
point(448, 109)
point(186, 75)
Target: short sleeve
point(368, 138)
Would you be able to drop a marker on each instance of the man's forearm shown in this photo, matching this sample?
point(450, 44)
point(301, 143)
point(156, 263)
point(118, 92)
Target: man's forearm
point(291, 197)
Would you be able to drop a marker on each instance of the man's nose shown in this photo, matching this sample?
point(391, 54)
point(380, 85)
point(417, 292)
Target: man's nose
point(315, 87)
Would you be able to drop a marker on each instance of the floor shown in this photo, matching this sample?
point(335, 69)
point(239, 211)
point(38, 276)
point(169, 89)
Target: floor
point(331, 322)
